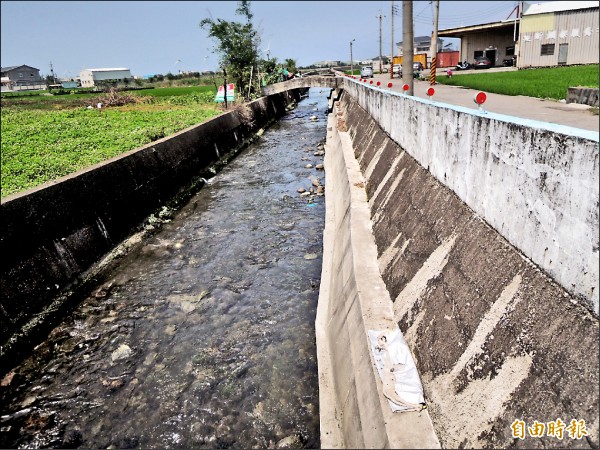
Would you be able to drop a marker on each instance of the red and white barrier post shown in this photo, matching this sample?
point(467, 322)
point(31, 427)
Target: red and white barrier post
point(480, 99)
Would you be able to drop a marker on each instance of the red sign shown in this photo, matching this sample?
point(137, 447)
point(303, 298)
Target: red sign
point(230, 93)
point(480, 98)
point(405, 87)
point(390, 85)
point(230, 87)
point(430, 92)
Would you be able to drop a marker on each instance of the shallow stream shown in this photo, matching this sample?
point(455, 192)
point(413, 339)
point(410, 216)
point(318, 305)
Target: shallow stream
point(202, 337)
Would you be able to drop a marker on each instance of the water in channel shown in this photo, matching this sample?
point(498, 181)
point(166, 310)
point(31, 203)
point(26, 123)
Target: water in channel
point(203, 337)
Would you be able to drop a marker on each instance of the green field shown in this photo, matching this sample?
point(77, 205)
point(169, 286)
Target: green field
point(46, 137)
point(541, 83)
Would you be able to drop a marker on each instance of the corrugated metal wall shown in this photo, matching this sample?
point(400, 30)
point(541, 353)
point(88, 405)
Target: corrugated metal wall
point(498, 40)
point(447, 59)
point(578, 30)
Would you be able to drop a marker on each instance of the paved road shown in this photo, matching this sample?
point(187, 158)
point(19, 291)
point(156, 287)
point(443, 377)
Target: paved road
point(575, 115)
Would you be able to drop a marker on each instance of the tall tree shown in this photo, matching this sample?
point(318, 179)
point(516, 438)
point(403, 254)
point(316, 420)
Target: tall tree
point(237, 44)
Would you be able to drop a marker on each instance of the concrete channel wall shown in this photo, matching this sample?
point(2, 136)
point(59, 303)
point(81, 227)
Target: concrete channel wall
point(495, 339)
point(536, 183)
point(53, 234)
point(353, 300)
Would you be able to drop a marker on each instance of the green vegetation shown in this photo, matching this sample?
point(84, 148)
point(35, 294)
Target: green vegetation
point(237, 45)
point(46, 137)
point(541, 83)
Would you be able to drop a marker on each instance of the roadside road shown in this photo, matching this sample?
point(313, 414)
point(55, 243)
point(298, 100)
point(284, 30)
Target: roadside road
point(572, 114)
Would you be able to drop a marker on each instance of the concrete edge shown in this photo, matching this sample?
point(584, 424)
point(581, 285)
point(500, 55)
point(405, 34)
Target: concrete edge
point(331, 433)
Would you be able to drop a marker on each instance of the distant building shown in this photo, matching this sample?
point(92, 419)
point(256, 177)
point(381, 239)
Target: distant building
point(542, 35)
point(91, 77)
point(69, 84)
point(421, 44)
point(559, 33)
point(327, 63)
point(494, 40)
point(6, 83)
point(22, 75)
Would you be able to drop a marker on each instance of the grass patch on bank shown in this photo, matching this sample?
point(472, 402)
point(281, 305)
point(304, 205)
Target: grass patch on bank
point(550, 83)
point(48, 137)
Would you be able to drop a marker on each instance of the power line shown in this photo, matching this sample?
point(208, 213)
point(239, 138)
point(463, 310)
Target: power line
point(488, 12)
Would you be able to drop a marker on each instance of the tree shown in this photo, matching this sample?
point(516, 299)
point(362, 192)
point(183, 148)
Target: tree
point(291, 65)
point(237, 44)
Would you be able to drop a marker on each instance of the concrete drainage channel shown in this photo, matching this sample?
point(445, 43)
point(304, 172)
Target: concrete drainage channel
point(490, 332)
point(202, 335)
point(60, 230)
point(489, 329)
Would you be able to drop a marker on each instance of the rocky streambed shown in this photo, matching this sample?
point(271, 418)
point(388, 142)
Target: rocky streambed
point(203, 335)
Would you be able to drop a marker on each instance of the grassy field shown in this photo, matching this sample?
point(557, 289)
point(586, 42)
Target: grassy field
point(46, 137)
point(541, 83)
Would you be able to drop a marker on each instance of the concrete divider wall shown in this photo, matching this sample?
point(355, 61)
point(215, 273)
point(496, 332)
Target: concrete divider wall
point(537, 184)
point(318, 81)
point(494, 338)
point(53, 233)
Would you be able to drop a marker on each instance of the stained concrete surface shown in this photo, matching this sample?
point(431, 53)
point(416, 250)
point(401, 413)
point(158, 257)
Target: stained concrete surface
point(494, 338)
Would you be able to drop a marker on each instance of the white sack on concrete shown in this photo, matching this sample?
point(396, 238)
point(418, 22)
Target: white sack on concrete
point(401, 383)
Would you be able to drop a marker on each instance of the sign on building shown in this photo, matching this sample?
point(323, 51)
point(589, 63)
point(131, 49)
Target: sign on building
point(221, 93)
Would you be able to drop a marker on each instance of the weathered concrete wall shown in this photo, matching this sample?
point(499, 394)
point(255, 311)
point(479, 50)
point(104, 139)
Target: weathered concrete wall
point(352, 300)
point(304, 82)
point(52, 234)
point(585, 96)
point(536, 183)
point(494, 338)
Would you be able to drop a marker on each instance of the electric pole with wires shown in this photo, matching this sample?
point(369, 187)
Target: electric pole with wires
point(394, 12)
point(434, 41)
point(407, 45)
point(380, 16)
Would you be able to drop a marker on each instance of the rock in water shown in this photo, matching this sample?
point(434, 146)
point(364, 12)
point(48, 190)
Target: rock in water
point(123, 352)
point(289, 442)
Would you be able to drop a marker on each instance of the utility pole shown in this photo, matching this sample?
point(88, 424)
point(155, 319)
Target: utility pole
point(392, 40)
point(407, 45)
point(380, 17)
point(52, 72)
point(434, 39)
point(351, 60)
point(394, 13)
point(225, 87)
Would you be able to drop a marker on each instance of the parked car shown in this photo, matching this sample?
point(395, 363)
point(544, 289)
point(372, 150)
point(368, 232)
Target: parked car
point(366, 72)
point(417, 66)
point(397, 69)
point(482, 62)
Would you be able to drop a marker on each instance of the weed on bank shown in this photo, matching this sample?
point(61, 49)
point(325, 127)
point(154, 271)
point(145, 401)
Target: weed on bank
point(45, 137)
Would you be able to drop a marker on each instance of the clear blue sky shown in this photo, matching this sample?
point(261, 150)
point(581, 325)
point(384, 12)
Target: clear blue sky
point(151, 36)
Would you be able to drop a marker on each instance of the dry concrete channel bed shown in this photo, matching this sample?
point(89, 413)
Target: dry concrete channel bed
point(469, 254)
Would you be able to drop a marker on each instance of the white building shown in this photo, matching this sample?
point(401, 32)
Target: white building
point(559, 33)
point(90, 77)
